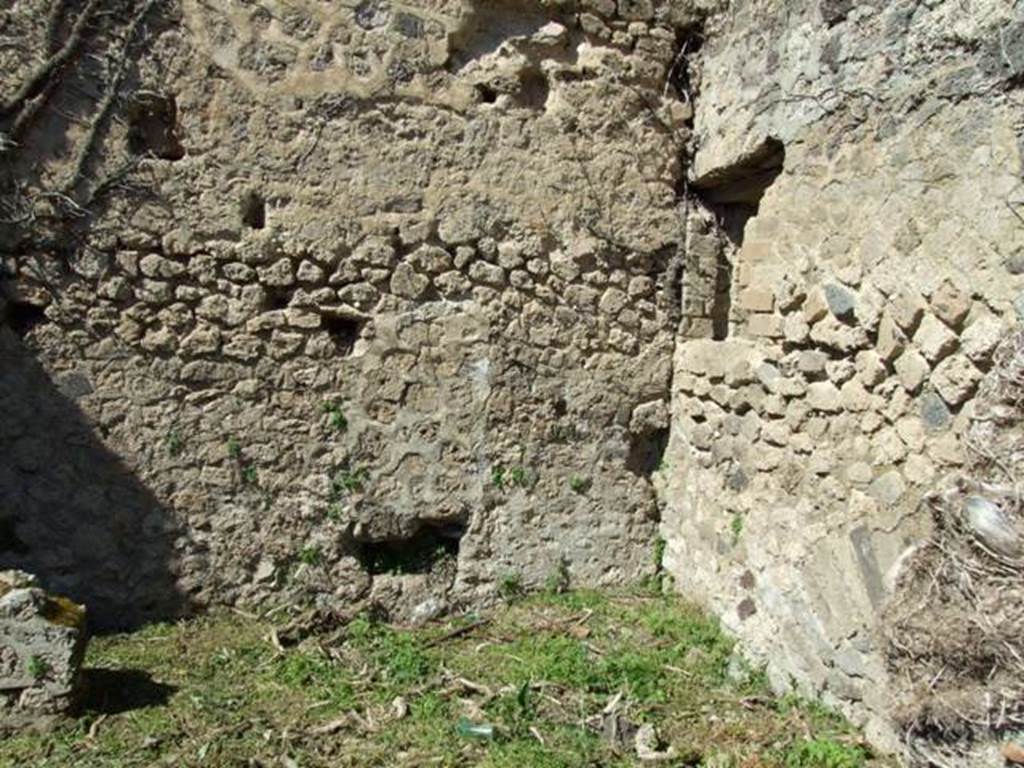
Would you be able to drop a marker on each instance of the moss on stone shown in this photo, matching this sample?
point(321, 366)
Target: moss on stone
point(64, 612)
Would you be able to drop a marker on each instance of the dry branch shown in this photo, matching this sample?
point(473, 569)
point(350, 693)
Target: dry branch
point(955, 627)
point(37, 81)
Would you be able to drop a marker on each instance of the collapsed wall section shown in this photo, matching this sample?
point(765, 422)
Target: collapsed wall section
point(838, 329)
point(378, 309)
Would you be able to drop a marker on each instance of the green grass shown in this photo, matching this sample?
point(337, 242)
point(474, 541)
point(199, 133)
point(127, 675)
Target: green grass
point(347, 481)
point(517, 691)
point(311, 556)
point(506, 478)
point(335, 416)
point(736, 528)
point(824, 753)
point(175, 444)
point(37, 667)
point(579, 484)
point(510, 586)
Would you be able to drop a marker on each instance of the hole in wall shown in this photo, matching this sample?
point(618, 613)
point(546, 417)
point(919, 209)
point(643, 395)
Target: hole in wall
point(277, 300)
point(485, 94)
point(372, 14)
point(743, 183)
point(344, 331)
point(9, 541)
point(646, 450)
point(734, 193)
point(22, 317)
point(254, 211)
point(689, 42)
point(722, 305)
point(153, 126)
point(428, 550)
point(533, 89)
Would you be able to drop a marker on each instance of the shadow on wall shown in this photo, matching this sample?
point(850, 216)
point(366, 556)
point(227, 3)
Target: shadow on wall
point(71, 512)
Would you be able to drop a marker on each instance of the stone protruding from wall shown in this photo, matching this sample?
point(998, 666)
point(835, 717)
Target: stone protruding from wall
point(42, 642)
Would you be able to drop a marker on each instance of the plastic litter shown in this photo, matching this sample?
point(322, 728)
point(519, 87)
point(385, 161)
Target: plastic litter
point(468, 729)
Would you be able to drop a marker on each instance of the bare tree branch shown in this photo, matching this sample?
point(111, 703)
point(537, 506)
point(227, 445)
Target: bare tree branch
point(37, 81)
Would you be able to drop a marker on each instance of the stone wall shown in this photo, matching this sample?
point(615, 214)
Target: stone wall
point(387, 313)
point(398, 303)
point(863, 164)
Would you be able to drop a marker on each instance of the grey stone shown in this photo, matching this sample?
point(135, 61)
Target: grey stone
point(841, 302)
point(42, 643)
point(888, 488)
point(934, 412)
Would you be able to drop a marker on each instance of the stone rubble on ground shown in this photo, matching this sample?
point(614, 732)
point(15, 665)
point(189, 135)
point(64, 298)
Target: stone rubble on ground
point(42, 643)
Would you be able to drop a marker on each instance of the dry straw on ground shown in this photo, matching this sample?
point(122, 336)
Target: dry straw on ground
point(955, 628)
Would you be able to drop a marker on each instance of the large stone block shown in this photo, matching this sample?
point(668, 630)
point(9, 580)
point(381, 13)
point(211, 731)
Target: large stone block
point(42, 642)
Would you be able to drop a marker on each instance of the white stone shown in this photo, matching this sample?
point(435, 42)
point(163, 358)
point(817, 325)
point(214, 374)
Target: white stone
point(955, 379)
point(950, 304)
point(871, 369)
point(824, 396)
point(912, 370)
point(981, 337)
point(934, 340)
point(891, 340)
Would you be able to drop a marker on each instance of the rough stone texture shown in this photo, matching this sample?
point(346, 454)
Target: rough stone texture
point(42, 643)
point(414, 270)
point(893, 215)
point(398, 299)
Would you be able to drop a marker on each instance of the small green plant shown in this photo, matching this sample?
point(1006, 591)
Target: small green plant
point(335, 511)
point(250, 475)
point(579, 484)
point(824, 753)
point(331, 682)
point(656, 581)
point(564, 433)
point(38, 667)
point(347, 481)
point(514, 477)
point(510, 586)
point(336, 417)
point(401, 656)
point(659, 552)
point(519, 477)
point(515, 710)
point(234, 448)
point(558, 581)
point(311, 556)
point(736, 527)
point(175, 444)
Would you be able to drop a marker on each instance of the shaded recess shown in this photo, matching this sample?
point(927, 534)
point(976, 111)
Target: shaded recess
point(254, 211)
point(646, 450)
point(743, 182)
point(115, 691)
point(71, 511)
point(721, 307)
point(734, 193)
point(344, 331)
point(23, 317)
point(426, 551)
point(153, 126)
